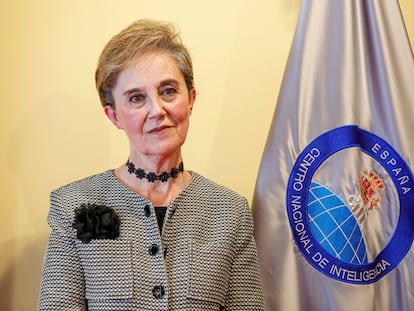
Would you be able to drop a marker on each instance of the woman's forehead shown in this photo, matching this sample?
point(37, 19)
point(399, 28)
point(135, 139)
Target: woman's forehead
point(152, 68)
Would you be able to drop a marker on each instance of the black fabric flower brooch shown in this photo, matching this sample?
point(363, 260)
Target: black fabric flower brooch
point(94, 221)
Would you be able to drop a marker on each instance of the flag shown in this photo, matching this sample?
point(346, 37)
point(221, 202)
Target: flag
point(334, 198)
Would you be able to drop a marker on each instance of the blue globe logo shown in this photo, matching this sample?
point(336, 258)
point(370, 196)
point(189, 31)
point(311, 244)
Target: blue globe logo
point(334, 226)
point(325, 229)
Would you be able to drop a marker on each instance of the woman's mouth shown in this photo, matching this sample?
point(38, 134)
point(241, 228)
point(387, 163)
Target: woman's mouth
point(159, 129)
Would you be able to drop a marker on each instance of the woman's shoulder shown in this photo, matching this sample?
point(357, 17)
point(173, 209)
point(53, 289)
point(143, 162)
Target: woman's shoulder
point(89, 183)
point(92, 189)
point(208, 197)
point(206, 186)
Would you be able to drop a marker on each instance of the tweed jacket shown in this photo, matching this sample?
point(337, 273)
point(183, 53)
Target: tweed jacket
point(205, 258)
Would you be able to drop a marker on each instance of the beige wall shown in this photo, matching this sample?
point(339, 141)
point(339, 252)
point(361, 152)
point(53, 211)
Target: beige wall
point(53, 129)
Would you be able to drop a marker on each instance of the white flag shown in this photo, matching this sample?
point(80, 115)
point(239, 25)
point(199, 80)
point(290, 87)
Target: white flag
point(334, 198)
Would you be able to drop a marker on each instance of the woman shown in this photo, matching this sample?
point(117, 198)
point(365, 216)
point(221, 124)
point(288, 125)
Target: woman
point(149, 235)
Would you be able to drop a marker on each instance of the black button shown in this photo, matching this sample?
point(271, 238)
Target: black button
point(147, 210)
point(153, 250)
point(158, 291)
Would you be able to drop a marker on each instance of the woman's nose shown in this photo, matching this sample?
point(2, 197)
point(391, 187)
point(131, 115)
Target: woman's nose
point(156, 106)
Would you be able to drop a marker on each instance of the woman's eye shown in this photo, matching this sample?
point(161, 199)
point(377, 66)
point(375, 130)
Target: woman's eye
point(136, 98)
point(169, 91)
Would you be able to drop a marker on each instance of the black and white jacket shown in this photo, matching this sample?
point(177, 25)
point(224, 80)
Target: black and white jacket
point(205, 258)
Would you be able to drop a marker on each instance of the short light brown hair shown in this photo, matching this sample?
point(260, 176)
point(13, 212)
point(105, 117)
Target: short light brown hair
point(141, 37)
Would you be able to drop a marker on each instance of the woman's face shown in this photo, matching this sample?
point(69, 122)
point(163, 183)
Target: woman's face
point(152, 105)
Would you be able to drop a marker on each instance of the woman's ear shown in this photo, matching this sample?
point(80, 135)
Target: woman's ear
point(112, 116)
point(192, 98)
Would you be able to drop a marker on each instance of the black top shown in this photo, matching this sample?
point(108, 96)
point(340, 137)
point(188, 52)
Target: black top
point(160, 212)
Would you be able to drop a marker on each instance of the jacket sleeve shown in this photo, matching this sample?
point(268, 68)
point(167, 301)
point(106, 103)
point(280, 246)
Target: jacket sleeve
point(62, 286)
point(245, 288)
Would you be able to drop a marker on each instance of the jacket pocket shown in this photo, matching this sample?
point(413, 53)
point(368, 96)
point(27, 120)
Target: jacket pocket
point(210, 266)
point(107, 268)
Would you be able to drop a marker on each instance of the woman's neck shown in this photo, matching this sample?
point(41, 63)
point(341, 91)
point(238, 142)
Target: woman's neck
point(158, 192)
point(155, 163)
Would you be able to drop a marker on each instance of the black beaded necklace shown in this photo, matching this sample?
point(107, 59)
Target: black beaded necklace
point(151, 176)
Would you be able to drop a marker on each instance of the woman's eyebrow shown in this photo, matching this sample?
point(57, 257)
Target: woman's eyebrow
point(131, 90)
point(168, 81)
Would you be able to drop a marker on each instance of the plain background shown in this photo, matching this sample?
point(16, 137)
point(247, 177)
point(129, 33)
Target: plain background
point(53, 129)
